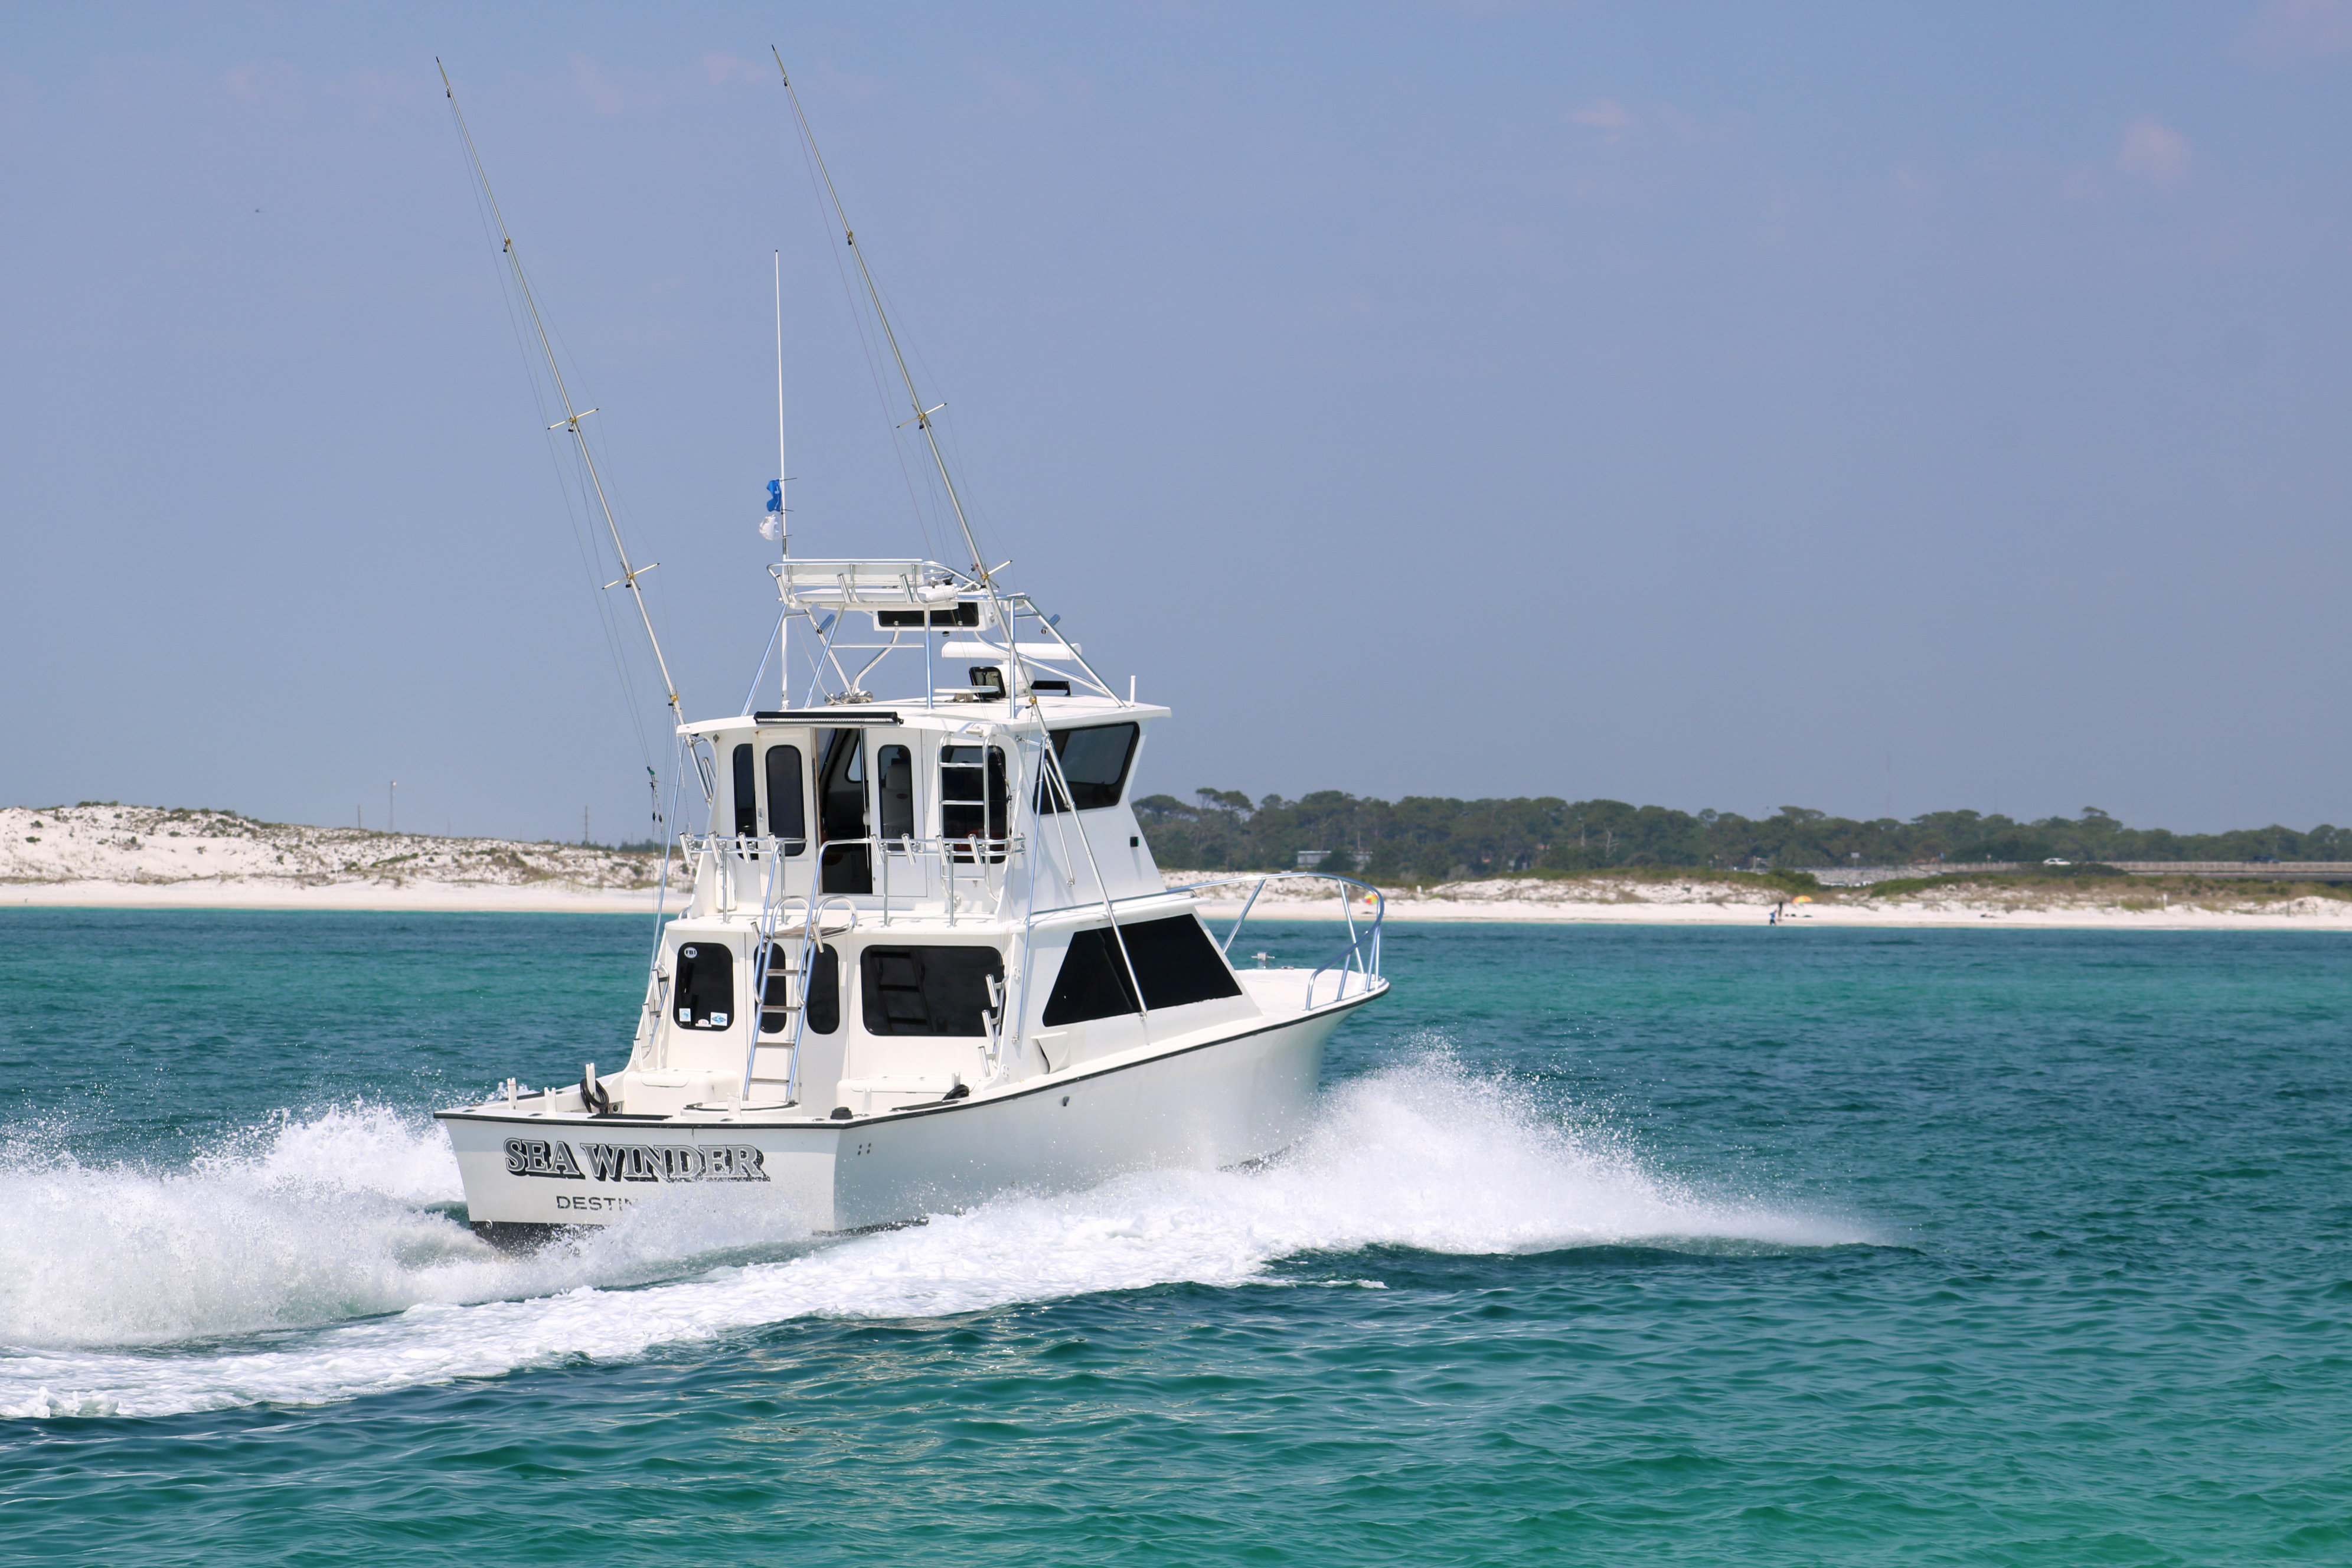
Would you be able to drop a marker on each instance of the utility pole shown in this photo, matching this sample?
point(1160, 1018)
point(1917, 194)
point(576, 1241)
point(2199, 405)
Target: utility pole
point(393, 827)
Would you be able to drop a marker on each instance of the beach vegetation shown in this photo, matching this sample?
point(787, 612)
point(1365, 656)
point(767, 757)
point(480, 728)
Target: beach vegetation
point(2130, 889)
point(1430, 838)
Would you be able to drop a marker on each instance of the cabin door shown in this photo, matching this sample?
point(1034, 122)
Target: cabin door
point(845, 860)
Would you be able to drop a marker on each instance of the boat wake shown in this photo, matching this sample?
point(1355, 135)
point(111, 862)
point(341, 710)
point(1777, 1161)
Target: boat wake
point(315, 1260)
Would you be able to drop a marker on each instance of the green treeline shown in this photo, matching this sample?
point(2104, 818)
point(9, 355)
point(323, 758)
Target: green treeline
point(1429, 839)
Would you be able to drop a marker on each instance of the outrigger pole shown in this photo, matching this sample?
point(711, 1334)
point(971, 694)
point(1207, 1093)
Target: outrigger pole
point(572, 417)
point(922, 416)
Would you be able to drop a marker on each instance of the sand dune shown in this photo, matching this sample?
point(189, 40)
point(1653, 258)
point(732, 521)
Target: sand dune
point(150, 858)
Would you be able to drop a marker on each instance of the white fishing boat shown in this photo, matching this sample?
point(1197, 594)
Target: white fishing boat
point(924, 953)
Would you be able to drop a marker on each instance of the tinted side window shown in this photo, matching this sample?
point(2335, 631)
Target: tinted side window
point(1092, 983)
point(1177, 963)
point(823, 992)
point(927, 990)
point(1096, 762)
point(894, 792)
point(747, 799)
point(705, 998)
point(787, 806)
point(966, 614)
point(1173, 958)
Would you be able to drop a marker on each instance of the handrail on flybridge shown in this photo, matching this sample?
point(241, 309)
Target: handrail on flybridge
point(964, 865)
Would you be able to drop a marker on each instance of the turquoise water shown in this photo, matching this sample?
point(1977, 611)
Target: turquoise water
point(1614, 1245)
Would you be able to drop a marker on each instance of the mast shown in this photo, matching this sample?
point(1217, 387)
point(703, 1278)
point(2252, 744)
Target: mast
point(572, 417)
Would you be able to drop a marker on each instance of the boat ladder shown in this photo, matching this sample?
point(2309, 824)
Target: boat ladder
point(784, 963)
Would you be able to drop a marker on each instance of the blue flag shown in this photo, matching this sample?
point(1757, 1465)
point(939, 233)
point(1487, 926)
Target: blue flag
point(775, 495)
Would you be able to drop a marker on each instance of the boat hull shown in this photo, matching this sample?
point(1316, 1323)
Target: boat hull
point(1217, 1103)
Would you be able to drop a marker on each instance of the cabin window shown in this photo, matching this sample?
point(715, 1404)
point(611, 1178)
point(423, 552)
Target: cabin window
point(928, 990)
point(747, 798)
point(1094, 761)
point(974, 798)
point(824, 992)
point(787, 806)
point(894, 769)
point(1092, 983)
point(705, 997)
point(847, 868)
point(1177, 963)
point(1173, 958)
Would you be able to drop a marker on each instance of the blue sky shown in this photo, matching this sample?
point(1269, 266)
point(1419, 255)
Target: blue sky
point(1858, 406)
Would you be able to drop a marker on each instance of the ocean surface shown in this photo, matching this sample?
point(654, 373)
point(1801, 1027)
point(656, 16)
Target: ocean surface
point(1614, 1245)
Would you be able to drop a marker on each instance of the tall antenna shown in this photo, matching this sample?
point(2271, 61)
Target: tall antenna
point(572, 417)
point(776, 491)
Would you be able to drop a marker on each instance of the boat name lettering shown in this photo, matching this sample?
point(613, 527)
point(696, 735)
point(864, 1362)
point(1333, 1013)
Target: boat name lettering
point(542, 1157)
point(675, 1162)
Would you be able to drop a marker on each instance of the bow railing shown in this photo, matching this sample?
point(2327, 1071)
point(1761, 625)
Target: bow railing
point(1359, 956)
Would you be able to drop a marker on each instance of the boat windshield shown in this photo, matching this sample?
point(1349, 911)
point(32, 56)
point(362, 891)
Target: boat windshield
point(1095, 761)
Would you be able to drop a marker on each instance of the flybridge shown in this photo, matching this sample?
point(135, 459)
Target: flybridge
point(857, 613)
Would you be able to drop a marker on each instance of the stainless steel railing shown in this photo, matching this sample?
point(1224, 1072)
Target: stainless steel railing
point(1359, 956)
point(961, 869)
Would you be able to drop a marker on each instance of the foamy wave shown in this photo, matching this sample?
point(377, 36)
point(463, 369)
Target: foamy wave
point(299, 1224)
point(357, 1148)
point(1420, 1157)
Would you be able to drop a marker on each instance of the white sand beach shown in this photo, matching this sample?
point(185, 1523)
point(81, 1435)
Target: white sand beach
point(129, 857)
